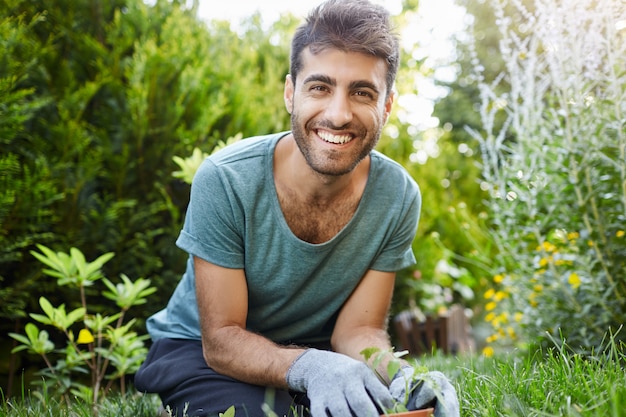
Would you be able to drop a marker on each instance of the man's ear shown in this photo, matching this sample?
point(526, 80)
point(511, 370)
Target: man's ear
point(389, 105)
point(288, 93)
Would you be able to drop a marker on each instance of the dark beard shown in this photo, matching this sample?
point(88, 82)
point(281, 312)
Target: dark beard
point(300, 135)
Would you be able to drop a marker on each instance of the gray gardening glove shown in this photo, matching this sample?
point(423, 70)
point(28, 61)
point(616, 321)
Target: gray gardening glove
point(422, 392)
point(337, 383)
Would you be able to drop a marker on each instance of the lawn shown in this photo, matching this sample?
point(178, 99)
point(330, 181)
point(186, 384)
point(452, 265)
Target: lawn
point(554, 383)
point(545, 383)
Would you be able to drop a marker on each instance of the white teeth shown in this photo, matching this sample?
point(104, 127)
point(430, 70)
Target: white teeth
point(329, 137)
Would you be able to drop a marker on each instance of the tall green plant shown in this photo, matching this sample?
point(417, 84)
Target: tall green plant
point(558, 186)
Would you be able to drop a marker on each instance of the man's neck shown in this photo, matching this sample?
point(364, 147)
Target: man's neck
point(292, 172)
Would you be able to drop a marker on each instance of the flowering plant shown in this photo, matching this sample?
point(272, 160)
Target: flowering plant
point(556, 172)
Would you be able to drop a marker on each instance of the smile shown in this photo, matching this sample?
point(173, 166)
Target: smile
point(337, 139)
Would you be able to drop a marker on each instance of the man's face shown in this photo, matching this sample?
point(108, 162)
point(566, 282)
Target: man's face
point(338, 108)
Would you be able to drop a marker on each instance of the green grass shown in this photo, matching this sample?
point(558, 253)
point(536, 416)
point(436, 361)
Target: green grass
point(36, 405)
point(548, 383)
point(553, 383)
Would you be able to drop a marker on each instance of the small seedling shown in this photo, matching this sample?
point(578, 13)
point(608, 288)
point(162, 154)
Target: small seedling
point(375, 357)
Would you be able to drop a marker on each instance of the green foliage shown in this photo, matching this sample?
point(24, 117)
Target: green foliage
point(451, 248)
point(230, 412)
point(128, 294)
point(71, 269)
point(95, 101)
point(35, 341)
point(57, 317)
point(375, 356)
point(27, 193)
point(393, 363)
point(189, 166)
point(556, 173)
point(99, 345)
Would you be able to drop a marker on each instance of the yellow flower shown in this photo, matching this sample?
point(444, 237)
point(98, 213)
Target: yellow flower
point(548, 247)
point(490, 316)
point(498, 278)
point(544, 261)
point(492, 338)
point(504, 317)
point(511, 331)
point(574, 280)
point(500, 295)
point(573, 235)
point(489, 293)
point(491, 306)
point(488, 351)
point(518, 316)
point(538, 288)
point(84, 337)
point(620, 233)
point(500, 319)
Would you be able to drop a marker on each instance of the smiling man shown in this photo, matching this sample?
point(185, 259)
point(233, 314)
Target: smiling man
point(294, 240)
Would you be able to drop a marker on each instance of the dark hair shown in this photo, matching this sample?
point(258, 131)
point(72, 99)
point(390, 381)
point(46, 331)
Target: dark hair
point(351, 26)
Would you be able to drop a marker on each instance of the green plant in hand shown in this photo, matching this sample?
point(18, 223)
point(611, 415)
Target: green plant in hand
point(105, 347)
point(375, 357)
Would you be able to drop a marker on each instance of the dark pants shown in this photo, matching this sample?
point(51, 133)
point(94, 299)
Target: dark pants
point(176, 370)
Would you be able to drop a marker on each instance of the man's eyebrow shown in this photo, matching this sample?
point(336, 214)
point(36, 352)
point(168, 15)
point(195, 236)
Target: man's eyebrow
point(363, 84)
point(320, 78)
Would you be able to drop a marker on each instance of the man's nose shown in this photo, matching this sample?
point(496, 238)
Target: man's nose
point(339, 110)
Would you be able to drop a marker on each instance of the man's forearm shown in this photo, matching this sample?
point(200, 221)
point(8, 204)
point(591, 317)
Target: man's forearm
point(248, 357)
point(361, 338)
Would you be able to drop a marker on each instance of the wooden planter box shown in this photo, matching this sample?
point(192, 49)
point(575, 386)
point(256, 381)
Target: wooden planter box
point(449, 332)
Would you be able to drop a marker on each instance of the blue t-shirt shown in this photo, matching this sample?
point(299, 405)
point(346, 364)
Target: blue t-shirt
point(295, 288)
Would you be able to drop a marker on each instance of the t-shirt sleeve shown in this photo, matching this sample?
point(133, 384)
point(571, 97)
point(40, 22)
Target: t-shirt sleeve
point(212, 224)
point(397, 253)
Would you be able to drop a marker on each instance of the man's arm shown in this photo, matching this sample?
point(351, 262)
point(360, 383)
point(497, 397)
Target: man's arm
point(228, 347)
point(362, 321)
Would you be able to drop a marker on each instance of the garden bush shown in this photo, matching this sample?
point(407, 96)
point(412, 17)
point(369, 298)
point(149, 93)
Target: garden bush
point(450, 246)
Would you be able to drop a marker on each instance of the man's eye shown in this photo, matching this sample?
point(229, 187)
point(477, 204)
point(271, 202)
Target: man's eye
point(318, 88)
point(364, 93)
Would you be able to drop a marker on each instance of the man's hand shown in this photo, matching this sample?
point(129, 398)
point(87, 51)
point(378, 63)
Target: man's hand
point(339, 384)
point(424, 390)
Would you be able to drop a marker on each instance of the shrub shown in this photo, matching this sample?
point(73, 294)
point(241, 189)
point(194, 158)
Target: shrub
point(556, 172)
